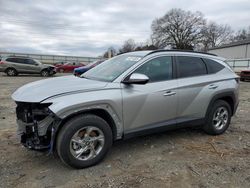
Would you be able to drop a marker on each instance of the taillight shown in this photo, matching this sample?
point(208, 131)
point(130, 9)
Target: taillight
point(1, 62)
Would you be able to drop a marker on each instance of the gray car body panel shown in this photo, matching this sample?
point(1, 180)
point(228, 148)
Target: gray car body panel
point(134, 107)
point(57, 86)
point(22, 67)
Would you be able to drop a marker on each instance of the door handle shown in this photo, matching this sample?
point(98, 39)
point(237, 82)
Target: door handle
point(169, 93)
point(212, 86)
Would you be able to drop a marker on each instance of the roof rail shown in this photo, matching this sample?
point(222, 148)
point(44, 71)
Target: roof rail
point(177, 50)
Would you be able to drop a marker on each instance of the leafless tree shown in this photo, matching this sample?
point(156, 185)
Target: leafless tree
point(110, 50)
point(179, 28)
point(215, 35)
point(128, 46)
point(242, 34)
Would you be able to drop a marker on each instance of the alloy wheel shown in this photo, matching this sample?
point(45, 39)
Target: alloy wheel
point(220, 118)
point(87, 143)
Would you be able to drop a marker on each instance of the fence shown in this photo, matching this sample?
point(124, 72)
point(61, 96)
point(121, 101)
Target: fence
point(238, 64)
point(50, 59)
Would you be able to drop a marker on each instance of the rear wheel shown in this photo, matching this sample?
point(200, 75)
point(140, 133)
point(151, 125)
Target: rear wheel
point(219, 118)
point(11, 72)
point(84, 141)
point(45, 73)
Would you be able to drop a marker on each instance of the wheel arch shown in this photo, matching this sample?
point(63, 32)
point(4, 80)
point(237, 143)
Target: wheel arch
point(5, 71)
point(98, 112)
point(45, 68)
point(229, 97)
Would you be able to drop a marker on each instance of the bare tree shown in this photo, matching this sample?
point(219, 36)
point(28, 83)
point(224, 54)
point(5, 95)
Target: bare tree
point(128, 46)
point(242, 34)
point(215, 35)
point(111, 50)
point(179, 28)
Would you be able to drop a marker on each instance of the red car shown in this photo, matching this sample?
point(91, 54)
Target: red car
point(245, 75)
point(68, 67)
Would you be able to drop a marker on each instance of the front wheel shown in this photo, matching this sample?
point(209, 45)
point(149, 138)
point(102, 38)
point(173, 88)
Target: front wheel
point(45, 73)
point(84, 141)
point(219, 118)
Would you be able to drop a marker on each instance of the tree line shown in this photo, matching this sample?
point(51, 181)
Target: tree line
point(180, 29)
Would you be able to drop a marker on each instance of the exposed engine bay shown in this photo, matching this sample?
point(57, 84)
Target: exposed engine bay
point(35, 125)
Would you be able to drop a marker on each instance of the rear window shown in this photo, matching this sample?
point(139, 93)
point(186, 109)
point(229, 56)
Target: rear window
point(213, 66)
point(190, 66)
point(12, 60)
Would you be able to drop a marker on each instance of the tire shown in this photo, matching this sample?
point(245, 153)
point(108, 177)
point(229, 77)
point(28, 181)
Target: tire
point(79, 125)
point(11, 72)
point(45, 73)
point(212, 126)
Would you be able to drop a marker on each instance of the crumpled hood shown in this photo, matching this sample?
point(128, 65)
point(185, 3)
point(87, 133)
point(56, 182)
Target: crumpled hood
point(43, 89)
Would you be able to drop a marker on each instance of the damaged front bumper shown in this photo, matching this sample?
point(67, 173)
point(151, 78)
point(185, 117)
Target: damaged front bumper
point(36, 125)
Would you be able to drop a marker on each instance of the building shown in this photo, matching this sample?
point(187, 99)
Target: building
point(236, 53)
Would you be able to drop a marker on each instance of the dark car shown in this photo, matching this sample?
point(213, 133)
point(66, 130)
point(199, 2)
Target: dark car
point(68, 67)
point(14, 65)
point(80, 70)
point(245, 75)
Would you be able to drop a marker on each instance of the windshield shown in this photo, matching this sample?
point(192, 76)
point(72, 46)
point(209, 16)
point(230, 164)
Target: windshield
point(112, 68)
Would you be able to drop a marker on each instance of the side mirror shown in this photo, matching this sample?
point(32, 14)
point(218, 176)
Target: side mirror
point(136, 78)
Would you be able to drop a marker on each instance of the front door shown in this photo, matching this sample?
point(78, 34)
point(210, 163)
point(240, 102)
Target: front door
point(153, 104)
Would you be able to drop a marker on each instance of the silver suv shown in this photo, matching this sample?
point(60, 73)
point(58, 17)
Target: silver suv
point(14, 65)
point(129, 95)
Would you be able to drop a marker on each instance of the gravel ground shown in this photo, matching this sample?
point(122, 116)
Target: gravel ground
point(181, 158)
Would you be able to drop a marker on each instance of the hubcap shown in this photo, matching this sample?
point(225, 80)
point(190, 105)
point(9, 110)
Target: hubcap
point(220, 118)
point(44, 73)
point(87, 143)
point(11, 72)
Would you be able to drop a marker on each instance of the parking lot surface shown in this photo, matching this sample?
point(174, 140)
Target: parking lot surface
point(181, 158)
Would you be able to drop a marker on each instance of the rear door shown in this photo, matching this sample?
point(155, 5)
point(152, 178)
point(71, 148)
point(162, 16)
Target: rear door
point(31, 66)
point(15, 63)
point(152, 105)
point(195, 88)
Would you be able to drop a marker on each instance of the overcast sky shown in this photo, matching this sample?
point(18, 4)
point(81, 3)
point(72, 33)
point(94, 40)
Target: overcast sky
point(89, 27)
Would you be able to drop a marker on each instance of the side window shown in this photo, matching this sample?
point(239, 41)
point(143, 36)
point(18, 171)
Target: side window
point(190, 66)
point(29, 61)
point(14, 60)
point(21, 60)
point(158, 69)
point(213, 66)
